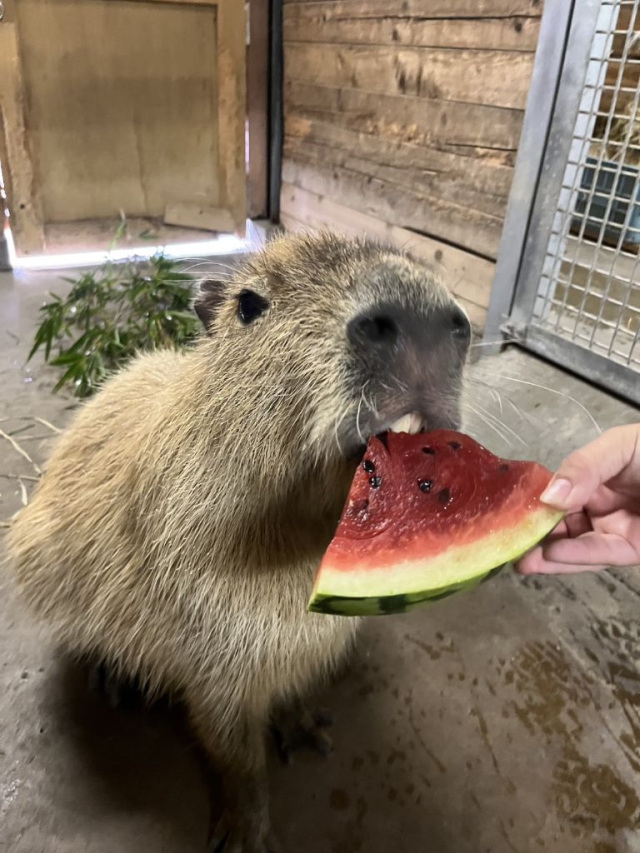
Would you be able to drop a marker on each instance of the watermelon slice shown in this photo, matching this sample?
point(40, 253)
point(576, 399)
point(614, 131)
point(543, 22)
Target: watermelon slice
point(428, 515)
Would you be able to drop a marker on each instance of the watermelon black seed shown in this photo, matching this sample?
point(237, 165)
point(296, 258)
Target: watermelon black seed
point(429, 451)
point(455, 445)
point(374, 482)
point(504, 467)
point(444, 496)
point(425, 485)
point(368, 466)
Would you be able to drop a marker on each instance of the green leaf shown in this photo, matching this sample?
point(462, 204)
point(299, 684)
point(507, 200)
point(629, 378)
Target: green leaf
point(72, 373)
point(67, 357)
point(111, 313)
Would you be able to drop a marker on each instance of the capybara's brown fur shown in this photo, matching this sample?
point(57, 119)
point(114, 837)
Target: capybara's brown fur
point(181, 517)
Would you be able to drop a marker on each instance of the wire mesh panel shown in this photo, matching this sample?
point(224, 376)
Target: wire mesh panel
point(567, 283)
point(589, 289)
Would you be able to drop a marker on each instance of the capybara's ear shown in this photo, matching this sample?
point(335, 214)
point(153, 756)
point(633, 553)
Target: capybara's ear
point(209, 297)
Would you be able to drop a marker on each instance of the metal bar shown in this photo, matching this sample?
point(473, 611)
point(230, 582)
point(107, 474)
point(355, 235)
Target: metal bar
point(570, 95)
point(608, 374)
point(276, 110)
point(554, 30)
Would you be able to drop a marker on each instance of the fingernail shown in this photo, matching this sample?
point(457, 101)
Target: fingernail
point(556, 492)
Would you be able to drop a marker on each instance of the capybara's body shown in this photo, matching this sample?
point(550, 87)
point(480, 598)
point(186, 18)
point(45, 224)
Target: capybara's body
point(181, 517)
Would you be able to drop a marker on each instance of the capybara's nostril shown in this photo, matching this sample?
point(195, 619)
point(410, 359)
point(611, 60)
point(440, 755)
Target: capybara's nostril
point(460, 325)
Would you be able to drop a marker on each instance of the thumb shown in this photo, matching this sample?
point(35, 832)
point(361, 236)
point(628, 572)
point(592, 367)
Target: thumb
point(580, 475)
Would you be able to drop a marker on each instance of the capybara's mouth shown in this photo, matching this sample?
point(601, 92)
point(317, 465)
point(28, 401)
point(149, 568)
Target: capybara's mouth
point(410, 423)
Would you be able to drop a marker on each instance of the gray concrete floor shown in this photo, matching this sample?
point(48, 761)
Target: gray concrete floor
point(504, 720)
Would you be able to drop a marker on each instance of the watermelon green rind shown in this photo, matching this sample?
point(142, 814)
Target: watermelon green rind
point(401, 603)
point(459, 568)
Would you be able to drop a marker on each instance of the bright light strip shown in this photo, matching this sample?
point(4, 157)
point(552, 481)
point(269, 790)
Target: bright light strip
point(225, 244)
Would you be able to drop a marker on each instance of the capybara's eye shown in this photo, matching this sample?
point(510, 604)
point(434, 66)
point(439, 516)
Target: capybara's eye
point(250, 306)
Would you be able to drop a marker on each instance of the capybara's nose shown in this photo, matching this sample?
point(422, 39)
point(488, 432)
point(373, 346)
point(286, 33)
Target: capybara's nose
point(388, 328)
point(374, 328)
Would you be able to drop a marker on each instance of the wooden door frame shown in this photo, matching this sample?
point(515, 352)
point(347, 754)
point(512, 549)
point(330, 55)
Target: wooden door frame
point(5, 263)
point(26, 212)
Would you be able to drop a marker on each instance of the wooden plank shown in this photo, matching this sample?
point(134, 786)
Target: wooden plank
point(490, 131)
point(190, 215)
point(466, 181)
point(5, 180)
point(499, 78)
point(336, 23)
point(96, 235)
point(231, 108)
point(441, 8)
point(161, 96)
point(128, 121)
point(26, 213)
point(470, 229)
point(180, 2)
point(446, 167)
point(258, 108)
point(5, 198)
point(465, 274)
point(429, 185)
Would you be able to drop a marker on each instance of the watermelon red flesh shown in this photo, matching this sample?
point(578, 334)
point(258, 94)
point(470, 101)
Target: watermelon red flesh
point(426, 515)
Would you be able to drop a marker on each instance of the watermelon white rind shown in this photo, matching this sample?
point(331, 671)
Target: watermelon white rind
point(427, 516)
point(386, 604)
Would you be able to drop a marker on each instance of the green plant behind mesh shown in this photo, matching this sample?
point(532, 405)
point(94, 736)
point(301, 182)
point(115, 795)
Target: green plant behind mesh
point(112, 313)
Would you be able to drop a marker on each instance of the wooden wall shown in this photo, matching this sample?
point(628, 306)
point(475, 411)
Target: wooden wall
point(402, 119)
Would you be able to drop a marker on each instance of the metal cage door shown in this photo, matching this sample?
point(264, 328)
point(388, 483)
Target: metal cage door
point(567, 282)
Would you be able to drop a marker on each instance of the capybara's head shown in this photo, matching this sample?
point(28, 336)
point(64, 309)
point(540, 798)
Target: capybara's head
point(333, 340)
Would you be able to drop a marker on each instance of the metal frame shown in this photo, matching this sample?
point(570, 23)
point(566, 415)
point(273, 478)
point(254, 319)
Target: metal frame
point(574, 71)
point(609, 374)
point(541, 100)
point(557, 90)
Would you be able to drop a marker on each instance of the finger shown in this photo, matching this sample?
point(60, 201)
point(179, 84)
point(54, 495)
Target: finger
point(580, 475)
point(548, 567)
point(531, 563)
point(605, 501)
point(571, 525)
point(576, 524)
point(560, 531)
point(591, 549)
point(535, 563)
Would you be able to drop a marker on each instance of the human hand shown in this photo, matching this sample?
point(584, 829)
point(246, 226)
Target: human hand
point(598, 487)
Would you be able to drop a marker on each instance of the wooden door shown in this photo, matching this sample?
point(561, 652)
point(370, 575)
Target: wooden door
point(122, 106)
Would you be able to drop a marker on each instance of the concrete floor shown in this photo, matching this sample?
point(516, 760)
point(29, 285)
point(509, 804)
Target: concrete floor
point(504, 720)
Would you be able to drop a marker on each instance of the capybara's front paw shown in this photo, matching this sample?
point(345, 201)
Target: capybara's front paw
point(302, 729)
